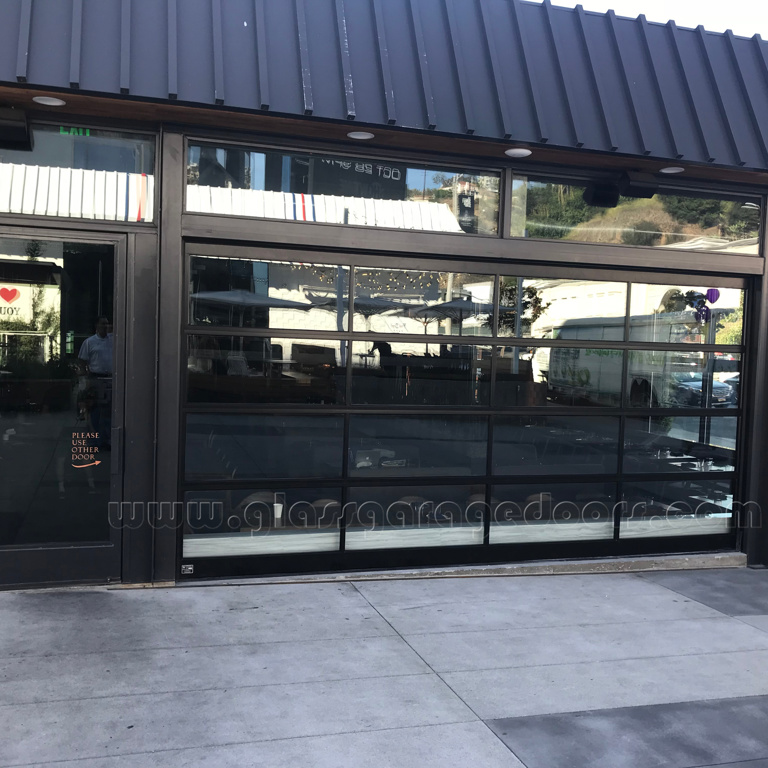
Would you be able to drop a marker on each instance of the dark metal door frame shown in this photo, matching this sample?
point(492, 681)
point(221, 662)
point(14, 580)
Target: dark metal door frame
point(92, 562)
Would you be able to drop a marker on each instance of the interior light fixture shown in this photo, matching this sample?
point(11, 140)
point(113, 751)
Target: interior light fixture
point(672, 169)
point(49, 101)
point(360, 135)
point(518, 152)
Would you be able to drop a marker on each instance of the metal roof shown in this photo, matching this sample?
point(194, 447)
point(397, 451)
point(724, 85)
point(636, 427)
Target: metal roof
point(497, 69)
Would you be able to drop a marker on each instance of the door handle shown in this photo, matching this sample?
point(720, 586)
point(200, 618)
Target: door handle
point(117, 451)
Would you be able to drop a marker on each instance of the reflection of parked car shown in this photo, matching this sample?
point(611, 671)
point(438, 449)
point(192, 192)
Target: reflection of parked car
point(688, 388)
point(734, 383)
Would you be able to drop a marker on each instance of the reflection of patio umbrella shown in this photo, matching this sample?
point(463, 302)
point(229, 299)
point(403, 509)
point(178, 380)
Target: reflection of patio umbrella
point(243, 300)
point(457, 309)
point(246, 299)
point(364, 305)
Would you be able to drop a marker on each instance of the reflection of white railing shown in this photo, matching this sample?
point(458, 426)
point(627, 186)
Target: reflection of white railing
point(329, 209)
point(76, 193)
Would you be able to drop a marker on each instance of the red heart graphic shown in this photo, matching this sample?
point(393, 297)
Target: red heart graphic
point(10, 294)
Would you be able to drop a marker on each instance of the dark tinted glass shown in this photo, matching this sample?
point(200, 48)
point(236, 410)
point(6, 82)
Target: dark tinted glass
point(340, 190)
point(250, 369)
point(551, 511)
point(241, 447)
point(412, 373)
point(58, 350)
point(559, 211)
point(686, 315)
point(660, 379)
point(555, 445)
point(680, 444)
point(562, 309)
point(243, 293)
point(398, 517)
point(403, 446)
point(677, 507)
point(265, 521)
point(541, 376)
point(423, 303)
point(80, 173)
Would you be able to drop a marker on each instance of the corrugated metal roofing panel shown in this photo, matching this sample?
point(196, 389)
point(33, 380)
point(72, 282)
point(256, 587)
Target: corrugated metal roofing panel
point(498, 69)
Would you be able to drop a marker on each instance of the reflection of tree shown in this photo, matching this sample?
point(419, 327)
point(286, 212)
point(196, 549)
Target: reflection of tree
point(729, 327)
point(733, 218)
point(554, 209)
point(643, 233)
point(531, 305)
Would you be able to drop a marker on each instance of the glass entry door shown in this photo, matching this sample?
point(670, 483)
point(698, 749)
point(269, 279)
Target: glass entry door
point(59, 415)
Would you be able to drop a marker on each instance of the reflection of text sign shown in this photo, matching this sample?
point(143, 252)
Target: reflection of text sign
point(7, 297)
point(383, 171)
point(84, 452)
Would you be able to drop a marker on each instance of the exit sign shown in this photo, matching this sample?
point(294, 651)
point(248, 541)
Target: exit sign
point(66, 131)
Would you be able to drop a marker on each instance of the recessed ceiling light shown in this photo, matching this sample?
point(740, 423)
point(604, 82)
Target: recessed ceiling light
point(360, 135)
point(49, 101)
point(672, 169)
point(518, 152)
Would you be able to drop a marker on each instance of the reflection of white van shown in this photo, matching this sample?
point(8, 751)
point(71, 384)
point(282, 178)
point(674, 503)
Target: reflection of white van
point(655, 377)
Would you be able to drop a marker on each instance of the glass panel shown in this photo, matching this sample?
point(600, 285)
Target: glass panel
point(677, 508)
point(555, 445)
point(548, 511)
point(542, 308)
point(412, 373)
point(540, 376)
point(680, 444)
point(242, 447)
point(81, 173)
point(269, 521)
point(428, 303)
point(559, 211)
point(417, 446)
point(684, 314)
point(340, 190)
point(252, 369)
point(415, 516)
point(242, 293)
point(56, 366)
point(657, 379)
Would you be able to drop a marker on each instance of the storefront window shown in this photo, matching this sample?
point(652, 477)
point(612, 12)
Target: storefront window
point(674, 314)
point(683, 379)
point(546, 308)
point(82, 173)
point(548, 511)
point(401, 517)
point(555, 445)
point(558, 376)
point(234, 181)
point(417, 302)
point(415, 373)
point(680, 444)
point(267, 521)
point(227, 446)
point(240, 293)
point(402, 446)
point(677, 507)
point(255, 369)
point(433, 401)
point(555, 211)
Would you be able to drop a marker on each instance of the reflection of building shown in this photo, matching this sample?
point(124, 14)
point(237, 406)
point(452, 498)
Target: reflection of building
point(349, 310)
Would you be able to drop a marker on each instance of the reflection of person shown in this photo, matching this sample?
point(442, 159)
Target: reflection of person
point(95, 360)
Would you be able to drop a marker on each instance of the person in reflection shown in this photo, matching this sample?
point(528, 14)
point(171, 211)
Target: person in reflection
point(95, 361)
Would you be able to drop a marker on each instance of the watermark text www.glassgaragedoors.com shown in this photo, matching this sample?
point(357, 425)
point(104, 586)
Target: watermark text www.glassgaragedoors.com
point(263, 517)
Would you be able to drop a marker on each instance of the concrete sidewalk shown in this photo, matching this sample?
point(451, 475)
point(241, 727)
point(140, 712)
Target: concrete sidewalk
point(574, 671)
